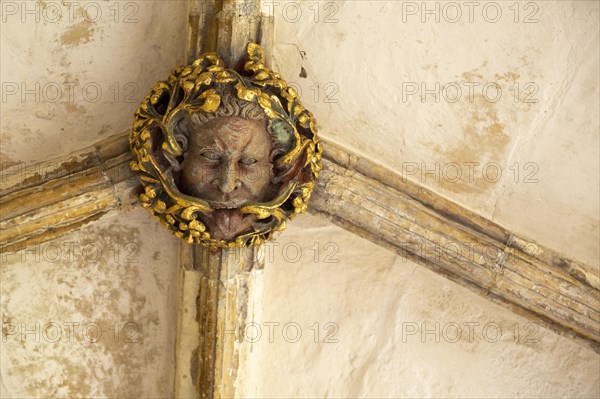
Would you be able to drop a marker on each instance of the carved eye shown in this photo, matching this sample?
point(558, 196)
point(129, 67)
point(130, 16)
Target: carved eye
point(248, 161)
point(211, 156)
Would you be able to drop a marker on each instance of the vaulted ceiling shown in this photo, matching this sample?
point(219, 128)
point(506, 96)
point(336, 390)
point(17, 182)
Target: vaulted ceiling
point(438, 135)
point(507, 129)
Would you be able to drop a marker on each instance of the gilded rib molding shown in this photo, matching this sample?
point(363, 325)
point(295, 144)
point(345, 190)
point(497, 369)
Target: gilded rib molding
point(531, 280)
point(357, 194)
point(42, 201)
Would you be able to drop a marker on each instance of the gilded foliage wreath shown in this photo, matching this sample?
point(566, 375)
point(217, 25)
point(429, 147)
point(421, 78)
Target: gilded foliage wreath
point(200, 87)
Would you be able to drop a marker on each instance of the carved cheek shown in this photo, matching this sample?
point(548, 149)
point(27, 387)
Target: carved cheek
point(206, 173)
point(198, 174)
point(257, 176)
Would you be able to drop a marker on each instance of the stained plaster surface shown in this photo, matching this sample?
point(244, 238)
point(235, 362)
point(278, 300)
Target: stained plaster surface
point(342, 317)
point(91, 314)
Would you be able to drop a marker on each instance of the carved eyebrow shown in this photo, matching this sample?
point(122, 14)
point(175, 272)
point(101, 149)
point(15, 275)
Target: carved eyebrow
point(243, 151)
point(216, 144)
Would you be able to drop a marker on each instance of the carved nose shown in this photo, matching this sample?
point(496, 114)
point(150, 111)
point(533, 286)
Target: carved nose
point(228, 180)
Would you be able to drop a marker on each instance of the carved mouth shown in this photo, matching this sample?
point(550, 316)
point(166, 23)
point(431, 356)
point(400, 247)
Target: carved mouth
point(227, 205)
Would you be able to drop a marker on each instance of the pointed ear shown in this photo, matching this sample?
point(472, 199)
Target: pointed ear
point(276, 152)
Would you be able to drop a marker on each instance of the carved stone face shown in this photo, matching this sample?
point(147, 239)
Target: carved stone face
point(227, 164)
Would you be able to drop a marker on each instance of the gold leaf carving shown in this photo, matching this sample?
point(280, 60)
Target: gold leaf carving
point(199, 87)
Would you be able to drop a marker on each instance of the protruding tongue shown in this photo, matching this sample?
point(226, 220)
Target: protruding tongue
point(229, 221)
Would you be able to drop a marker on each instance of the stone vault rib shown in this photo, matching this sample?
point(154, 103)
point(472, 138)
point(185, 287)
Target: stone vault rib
point(44, 201)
